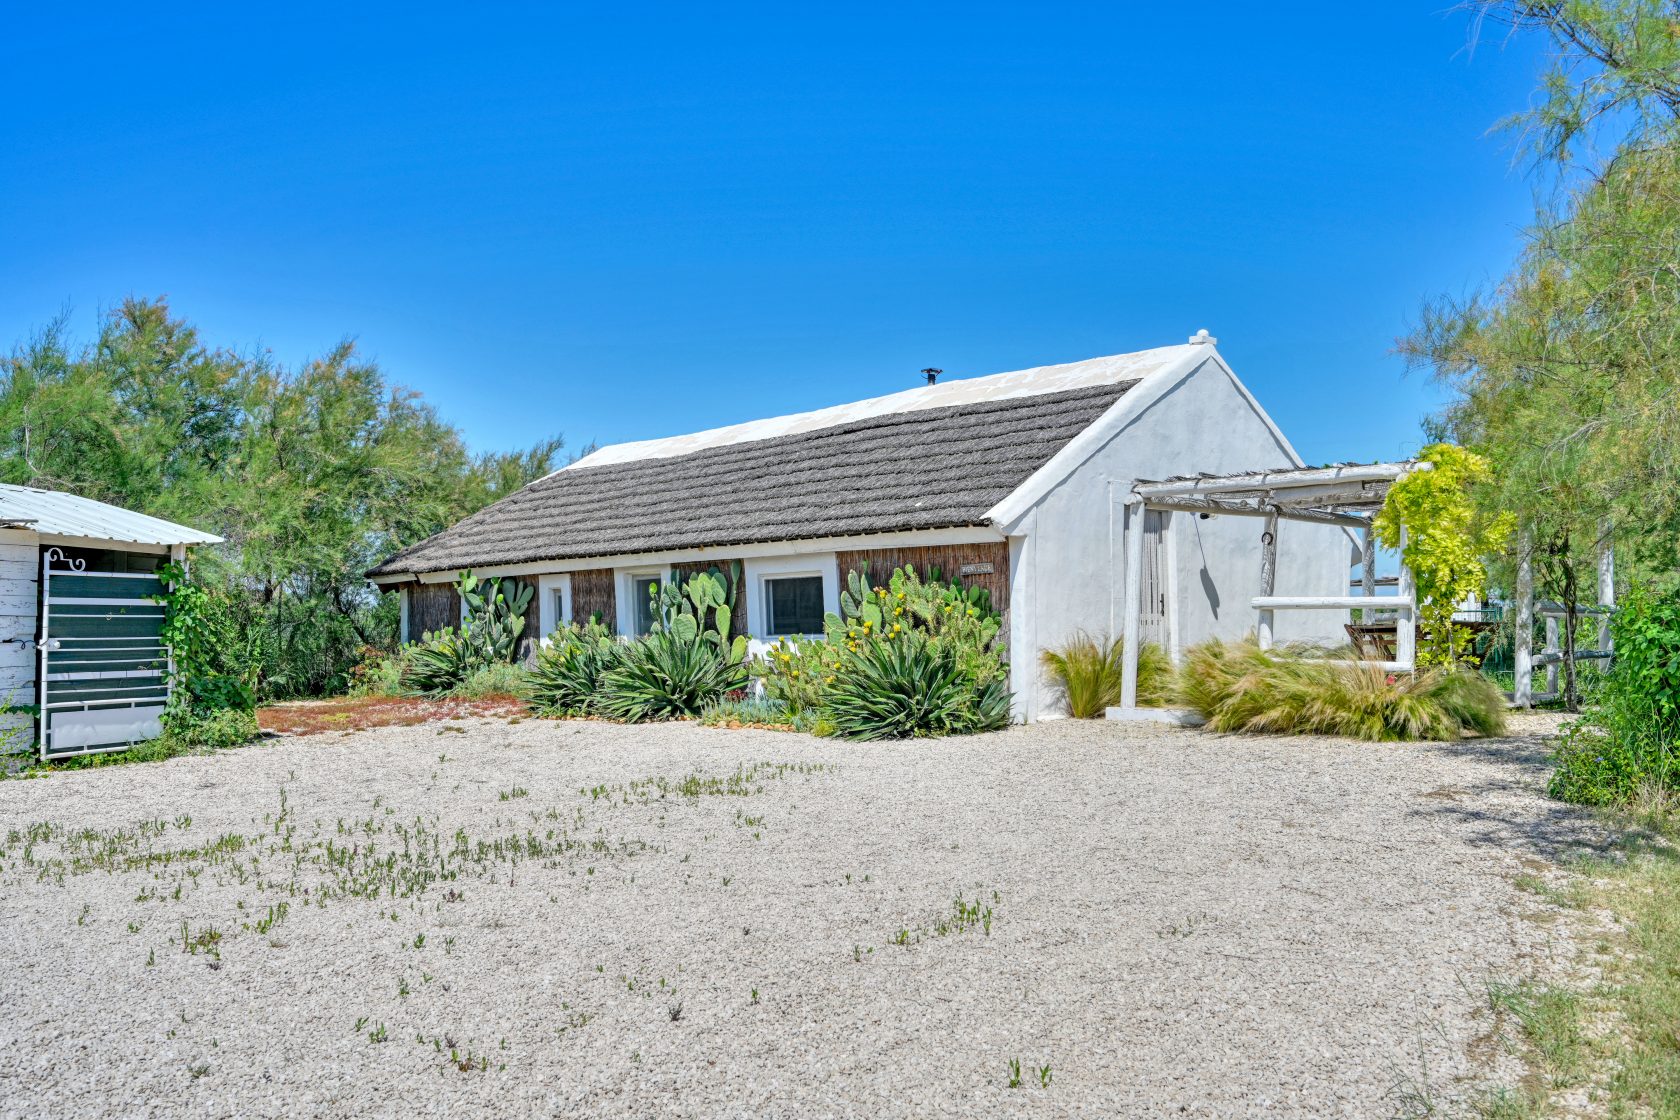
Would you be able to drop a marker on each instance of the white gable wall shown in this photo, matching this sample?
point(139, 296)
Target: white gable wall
point(1068, 552)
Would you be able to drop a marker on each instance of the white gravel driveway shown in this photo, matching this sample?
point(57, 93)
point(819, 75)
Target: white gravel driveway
point(564, 919)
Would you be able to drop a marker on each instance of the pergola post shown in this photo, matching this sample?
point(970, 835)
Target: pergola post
point(1367, 567)
point(1522, 691)
point(1132, 610)
point(1405, 618)
point(1268, 578)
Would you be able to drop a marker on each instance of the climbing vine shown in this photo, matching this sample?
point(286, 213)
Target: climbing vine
point(1445, 541)
point(194, 628)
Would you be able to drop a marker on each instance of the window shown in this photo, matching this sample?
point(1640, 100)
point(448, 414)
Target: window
point(793, 605)
point(641, 594)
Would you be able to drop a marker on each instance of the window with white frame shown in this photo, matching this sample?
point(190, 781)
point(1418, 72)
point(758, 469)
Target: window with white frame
point(793, 605)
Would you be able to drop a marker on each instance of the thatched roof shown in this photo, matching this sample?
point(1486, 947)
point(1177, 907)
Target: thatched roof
point(933, 468)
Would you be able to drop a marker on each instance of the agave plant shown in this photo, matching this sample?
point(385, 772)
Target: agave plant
point(566, 679)
point(912, 688)
point(669, 674)
point(439, 662)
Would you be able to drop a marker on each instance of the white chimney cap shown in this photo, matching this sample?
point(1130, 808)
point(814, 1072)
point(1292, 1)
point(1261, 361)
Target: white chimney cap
point(1203, 338)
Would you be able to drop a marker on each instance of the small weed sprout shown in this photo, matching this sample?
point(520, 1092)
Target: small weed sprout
point(1014, 1073)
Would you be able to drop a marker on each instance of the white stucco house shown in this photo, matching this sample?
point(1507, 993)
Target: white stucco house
point(1017, 482)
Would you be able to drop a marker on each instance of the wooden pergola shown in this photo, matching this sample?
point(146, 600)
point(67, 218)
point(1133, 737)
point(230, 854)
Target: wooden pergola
point(1345, 494)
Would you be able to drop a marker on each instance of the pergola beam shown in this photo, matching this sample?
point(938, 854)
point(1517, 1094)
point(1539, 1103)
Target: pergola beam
point(1278, 480)
point(1238, 509)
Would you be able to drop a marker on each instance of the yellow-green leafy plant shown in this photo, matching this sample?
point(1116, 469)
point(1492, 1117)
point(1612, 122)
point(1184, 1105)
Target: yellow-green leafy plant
point(1087, 672)
point(1446, 543)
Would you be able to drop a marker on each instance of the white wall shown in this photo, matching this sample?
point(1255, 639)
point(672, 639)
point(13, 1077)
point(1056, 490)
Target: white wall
point(1070, 553)
point(19, 576)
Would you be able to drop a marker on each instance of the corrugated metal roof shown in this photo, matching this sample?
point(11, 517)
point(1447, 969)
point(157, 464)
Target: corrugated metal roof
point(66, 515)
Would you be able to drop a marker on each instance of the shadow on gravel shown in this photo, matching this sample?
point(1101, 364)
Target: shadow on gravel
point(1510, 809)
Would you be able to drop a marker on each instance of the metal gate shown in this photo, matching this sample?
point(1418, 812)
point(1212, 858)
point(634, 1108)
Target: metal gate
point(104, 669)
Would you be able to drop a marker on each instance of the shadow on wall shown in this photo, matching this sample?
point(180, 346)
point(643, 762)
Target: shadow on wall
point(1209, 588)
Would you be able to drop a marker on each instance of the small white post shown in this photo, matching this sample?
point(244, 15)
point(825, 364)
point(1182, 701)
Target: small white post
point(1606, 585)
point(1405, 619)
point(1133, 605)
point(1268, 577)
point(1551, 648)
point(1522, 692)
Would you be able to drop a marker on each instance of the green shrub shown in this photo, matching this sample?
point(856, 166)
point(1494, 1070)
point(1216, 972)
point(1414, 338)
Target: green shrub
point(731, 711)
point(1236, 686)
point(666, 675)
point(1628, 737)
point(795, 672)
point(438, 663)
point(566, 678)
point(1087, 672)
point(913, 687)
point(230, 727)
point(496, 679)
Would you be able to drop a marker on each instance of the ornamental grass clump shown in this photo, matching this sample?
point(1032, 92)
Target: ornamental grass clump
point(1087, 672)
point(1237, 686)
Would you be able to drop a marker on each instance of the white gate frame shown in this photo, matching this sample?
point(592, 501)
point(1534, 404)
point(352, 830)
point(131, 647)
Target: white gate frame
point(154, 697)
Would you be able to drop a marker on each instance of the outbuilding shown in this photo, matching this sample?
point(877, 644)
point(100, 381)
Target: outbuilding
point(1019, 482)
point(83, 667)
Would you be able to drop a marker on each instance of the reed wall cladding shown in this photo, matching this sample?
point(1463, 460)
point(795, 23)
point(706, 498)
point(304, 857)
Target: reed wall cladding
point(595, 592)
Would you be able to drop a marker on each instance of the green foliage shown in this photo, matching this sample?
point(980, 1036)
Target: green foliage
point(210, 673)
point(493, 616)
point(566, 679)
point(1626, 744)
point(911, 688)
point(669, 675)
point(700, 607)
point(1088, 673)
point(1445, 541)
point(1236, 686)
point(439, 662)
point(910, 658)
point(313, 474)
point(217, 730)
point(477, 659)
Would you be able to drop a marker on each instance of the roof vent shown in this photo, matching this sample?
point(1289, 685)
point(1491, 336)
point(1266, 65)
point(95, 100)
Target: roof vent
point(1203, 338)
point(933, 374)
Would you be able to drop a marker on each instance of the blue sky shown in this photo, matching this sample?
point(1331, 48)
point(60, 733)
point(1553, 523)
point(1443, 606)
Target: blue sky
point(633, 222)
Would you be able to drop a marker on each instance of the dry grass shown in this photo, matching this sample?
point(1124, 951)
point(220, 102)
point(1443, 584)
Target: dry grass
point(359, 713)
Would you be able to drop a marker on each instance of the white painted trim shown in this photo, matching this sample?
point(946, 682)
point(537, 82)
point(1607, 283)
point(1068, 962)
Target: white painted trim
point(1094, 437)
point(971, 534)
point(1025, 675)
point(554, 602)
point(624, 592)
point(402, 616)
point(756, 571)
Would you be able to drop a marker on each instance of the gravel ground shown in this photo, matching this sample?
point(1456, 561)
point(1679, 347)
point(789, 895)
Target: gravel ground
point(1172, 921)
